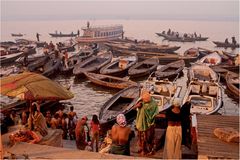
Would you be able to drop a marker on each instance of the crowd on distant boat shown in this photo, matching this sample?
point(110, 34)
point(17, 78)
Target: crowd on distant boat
point(185, 35)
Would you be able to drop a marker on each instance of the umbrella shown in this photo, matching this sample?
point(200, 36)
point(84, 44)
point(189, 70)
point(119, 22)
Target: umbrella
point(32, 86)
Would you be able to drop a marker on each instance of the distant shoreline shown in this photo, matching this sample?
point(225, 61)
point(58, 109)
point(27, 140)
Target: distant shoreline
point(122, 17)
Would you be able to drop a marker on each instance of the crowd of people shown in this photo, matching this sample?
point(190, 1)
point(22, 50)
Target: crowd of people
point(176, 34)
point(87, 134)
point(233, 41)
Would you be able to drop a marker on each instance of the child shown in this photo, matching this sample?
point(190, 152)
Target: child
point(106, 146)
point(95, 127)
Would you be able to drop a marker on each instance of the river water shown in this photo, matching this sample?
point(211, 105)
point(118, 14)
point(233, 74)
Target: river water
point(89, 97)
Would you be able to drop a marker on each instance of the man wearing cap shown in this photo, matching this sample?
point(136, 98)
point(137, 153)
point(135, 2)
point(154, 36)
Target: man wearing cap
point(121, 136)
point(80, 133)
point(147, 109)
point(173, 140)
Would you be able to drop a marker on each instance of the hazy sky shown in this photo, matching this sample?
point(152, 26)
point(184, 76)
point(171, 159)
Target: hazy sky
point(115, 9)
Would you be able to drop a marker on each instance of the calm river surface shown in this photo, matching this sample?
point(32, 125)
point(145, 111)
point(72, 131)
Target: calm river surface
point(89, 97)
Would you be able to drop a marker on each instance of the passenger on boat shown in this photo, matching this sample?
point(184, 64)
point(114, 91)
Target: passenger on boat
point(81, 141)
point(169, 31)
point(173, 140)
point(95, 128)
point(226, 41)
point(195, 34)
point(234, 41)
point(147, 109)
point(121, 136)
point(37, 35)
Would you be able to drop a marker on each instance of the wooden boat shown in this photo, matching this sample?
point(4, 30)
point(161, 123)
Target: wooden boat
point(63, 35)
point(121, 102)
point(163, 91)
point(119, 66)
point(6, 71)
point(110, 81)
point(233, 83)
point(205, 97)
point(225, 45)
point(170, 70)
point(10, 58)
point(180, 38)
point(93, 64)
point(143, 47)
point(51, 67)
point(17, 34)
point(211, 59)
point(143, 68)
point(192, 52)
point(37, 63)
point(202, 73)
point(75, 59)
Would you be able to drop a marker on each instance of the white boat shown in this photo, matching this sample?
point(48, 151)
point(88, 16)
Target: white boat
point(205, 97)
point(163, 91)
point(100, 33)
point(211, 59)
point(202, 73)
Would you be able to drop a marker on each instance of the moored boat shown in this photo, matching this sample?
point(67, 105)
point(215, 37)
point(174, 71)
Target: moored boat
point(51, 67)
point(233, 83)
point(163, 91)
point(205, 97)
point(121, 102)
point(109, 81)
point(93, 64)
point(192, 52)
point(170, 70)
point(202, 73)
point(143, 68)
point(211, 59)
point(10, 58)
point(119, 66)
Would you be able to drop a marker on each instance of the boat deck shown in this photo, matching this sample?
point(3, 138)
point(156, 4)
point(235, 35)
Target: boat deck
point(209, 146)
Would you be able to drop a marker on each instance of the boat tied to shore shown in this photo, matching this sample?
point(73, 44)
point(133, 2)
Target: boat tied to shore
point(121, 102)
point(143, 68)
point(205, 97)
point(110, 81)
point(93, 64)
point(170, 70)
point(119, 66)
point(202, 73)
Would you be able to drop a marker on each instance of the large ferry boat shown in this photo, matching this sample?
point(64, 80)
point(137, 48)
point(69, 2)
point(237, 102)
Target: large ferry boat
point(100, 33)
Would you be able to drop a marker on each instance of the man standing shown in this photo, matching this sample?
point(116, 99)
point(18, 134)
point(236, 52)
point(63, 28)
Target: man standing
point(147, 109)
point(37, 35)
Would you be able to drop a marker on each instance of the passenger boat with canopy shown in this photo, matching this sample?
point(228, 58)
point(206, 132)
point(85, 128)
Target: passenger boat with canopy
point(100, 33)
